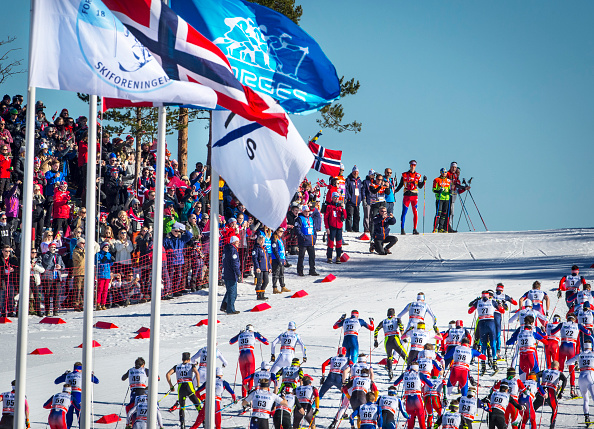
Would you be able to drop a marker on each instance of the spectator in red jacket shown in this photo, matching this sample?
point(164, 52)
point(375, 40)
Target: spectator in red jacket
point(231, 230)
point(334, 216)
point(61, 211)
point(5, 169)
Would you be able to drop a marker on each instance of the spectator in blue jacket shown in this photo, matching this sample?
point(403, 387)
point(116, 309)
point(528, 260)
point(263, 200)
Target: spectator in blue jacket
point(381, 231)
point(353, 200)
point(262, 266)
point(231, 275)
point(366, 199)
point(174, 244)
point(278, 261)
point(306, 240)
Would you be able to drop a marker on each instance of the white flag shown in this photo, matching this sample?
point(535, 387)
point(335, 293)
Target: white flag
point(79, 45)
point(262, 168)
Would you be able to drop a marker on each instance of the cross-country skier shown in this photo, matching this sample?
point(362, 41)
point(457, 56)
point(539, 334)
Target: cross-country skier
point(528, 311)
point(553, 340)
point(416, 313)
point(585, 361)
point(355, 392)
point(498, 403)
point(486, 308)
point(201, 359)
point(583, 296)
point(220, 387)
point(309, 398)
point(569, 346)
point(184, 372)
point(571, 285)
point(247, 362)
point(74, 378)
point(289, 375)
point(338, 365)
point(254, 378)
point(461, 356)
point(550, 392)
point(469, 405)
point(427, 361)
point(454, 335)
point(501, 297)
point(288, 341)
point(137, 417)
point(369, 414)
point(389, 404)
point(515, 385)
point(432, 397)
point(8, 404)
point(450, 419)
point(59, 404)
point(262, 400)
point(413, 381)
point(351, 327)
point(526, 347)
point(392, 342)
point(418, 338)
point(356, 368)
point(283, 414)
point(540, 299)
point(527, 396)
point(585, 317)
point(137, 381)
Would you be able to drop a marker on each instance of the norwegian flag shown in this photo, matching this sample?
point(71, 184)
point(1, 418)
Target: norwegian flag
point(186, 55)
point(203, 192)
point(327, 161)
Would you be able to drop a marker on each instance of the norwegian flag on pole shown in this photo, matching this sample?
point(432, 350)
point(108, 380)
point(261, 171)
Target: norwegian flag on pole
point(327, 161)
point(186, 55)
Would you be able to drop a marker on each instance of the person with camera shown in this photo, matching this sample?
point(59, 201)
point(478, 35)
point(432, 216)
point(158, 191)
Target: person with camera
point(334, 217)
point(381, 232)
point(378, 190)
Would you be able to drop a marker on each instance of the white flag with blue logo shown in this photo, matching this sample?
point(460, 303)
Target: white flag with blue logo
point(79, 45)
point(263, 168)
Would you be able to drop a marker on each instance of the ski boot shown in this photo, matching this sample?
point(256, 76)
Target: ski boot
point(333, 424)
point(483, 367)
point(573, 392)
point(494, 366)
point(472, 381)
point(174, 407)
point(415, 232)
point(587, 420)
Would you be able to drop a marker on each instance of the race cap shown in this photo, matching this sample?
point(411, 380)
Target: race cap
point(392, 391)
point(362, 358)
point(355, 313)
point(511, 372)
point(499, 286)
point(264, 366)
point(67, 388)
point(249, 327)
point(491, 292)
point(219, 372)
point(459, 323)
point(421, 325)
point(571, 317)
point(414, 366)
point(342, 351)
point(420, 296)
point(587, 345)
point(295, 362)
point(527, 303)
point(292, 326)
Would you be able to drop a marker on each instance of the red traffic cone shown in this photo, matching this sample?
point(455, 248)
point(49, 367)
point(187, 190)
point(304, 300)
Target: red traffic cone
point(108, 419)
point(42, 351)
point(261, 307)
point(143, 335)
point(299, 294)
point(364, 237)
point(329, 278)
point(143, 329)
point(592, 266)
point(384, 362)
point(204, 322)
point(95, 344)
point(105, 325)
point(52, 321)
point(344, 257)
point(5, 320)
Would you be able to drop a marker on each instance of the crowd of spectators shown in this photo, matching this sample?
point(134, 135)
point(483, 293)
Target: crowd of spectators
point(126, 202)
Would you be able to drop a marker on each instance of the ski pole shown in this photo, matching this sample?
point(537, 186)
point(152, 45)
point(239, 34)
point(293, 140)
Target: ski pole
point(466, 214)
point(477, 209)
point(461, 211)
point(424, 187)
point(167, 393)
point(119, 412)
point(235, 379)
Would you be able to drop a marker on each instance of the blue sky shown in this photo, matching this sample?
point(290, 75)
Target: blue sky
point(503, 88)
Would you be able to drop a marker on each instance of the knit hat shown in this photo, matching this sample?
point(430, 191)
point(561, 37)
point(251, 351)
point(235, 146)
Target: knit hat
point(355, 169)
point(233, 239)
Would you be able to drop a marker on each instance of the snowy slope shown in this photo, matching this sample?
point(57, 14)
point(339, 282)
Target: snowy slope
point(450, 269)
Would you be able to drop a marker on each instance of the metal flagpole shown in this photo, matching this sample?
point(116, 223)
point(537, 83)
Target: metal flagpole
point(157, 273)
point(89, 289)
point(25, 271)
point(213, 280)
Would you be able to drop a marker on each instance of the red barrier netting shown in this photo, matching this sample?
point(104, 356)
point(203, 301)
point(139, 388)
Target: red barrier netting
point(126, 282)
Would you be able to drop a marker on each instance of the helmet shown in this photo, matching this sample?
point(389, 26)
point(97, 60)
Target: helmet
point(459, 323)
point(264, 366)
point(391, 312)
point(292, 326)
point(249, 327)
point(527, 303)
point(342, 351)
point(295, 362)
point(421, 325)
point(354, 313)
point(219, 372)
point(392, 391)
point(420, 296)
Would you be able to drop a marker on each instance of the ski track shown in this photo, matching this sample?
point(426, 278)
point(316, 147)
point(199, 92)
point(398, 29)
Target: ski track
point(443, 266)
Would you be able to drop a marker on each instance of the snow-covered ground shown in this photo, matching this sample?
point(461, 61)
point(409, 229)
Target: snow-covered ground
point(450, 269)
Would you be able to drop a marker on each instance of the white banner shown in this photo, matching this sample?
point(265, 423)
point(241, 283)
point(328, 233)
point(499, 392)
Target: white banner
point(79, 45)
point(262, 168)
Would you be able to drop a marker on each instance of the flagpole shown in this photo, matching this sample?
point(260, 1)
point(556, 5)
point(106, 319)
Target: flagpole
point(213, 280)
point(157, 272)
point(20, 420)
point(89, 282)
